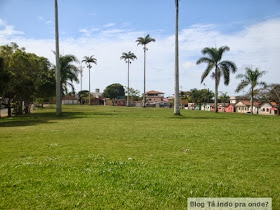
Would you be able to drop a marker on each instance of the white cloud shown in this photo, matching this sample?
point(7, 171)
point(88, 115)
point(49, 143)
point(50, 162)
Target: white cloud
point(256, 45)
point(8, 30)
point(44, 20)
point(108, 25)
point(2, 23)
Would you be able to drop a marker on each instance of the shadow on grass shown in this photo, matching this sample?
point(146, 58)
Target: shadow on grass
point(38, 118)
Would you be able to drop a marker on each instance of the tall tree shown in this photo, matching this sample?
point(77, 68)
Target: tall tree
point(6, 51)
point(144, 41)
point(69, 72)
point(58, 75)
point(88, 60)
point(176, 101)
point(128, 57)
point(222, 68)
point(113, 91)
point(250, 78)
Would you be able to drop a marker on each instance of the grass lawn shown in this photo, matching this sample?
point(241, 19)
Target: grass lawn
point(135, 158)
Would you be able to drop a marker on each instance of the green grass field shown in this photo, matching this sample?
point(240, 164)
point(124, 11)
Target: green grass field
point(133, 158)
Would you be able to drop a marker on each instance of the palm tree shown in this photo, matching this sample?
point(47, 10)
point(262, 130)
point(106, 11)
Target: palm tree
point(144, 41)
point(213, 61)
point(58, 84)
point(88, 60)
point(251, 77)
point(127, 57)
point(69, 72)
point(224, 97)
point(176, 101)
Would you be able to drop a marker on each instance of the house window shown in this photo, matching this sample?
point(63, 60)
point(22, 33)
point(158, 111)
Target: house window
point(267, 109)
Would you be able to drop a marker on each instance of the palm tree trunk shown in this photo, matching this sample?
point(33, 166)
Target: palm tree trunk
point(144, 97)
point(127, 83)
point(176, 102)
point(216, 91)
point(89, 101)
point(252, 100)
point(58, 80)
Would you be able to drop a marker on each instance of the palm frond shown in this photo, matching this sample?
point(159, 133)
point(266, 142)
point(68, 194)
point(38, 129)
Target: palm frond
point(230, 65)
point(204, 60)
point(128, 56)
point(240, 76)
point(207, 71)
point(242, 85)
point(145, 40)
point(89, 59)
point(226, 73)
point(221, 51)
point(209, 51)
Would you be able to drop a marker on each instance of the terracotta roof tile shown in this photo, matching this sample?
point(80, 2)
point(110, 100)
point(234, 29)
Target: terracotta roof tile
point(154, 92)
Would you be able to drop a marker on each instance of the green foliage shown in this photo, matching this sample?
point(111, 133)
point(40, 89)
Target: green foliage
point(128, 56)
point(250, 78)
point(213, 61)
point(5, 76)
point(135, 158)
point(113, 91)
point(200, 96)
point(83, 93)
point(224, 97)
point(69, 72)
point(221, 68)
point(27, 76)
point(88, 60)
point(145, 40)
point(134, 94)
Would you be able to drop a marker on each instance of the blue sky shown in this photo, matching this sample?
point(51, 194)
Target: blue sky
point(107, 28)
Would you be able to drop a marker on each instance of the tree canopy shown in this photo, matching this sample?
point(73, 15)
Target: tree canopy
point(221, 68)
point(114, 91)
point(250, 78)
point(25, 76)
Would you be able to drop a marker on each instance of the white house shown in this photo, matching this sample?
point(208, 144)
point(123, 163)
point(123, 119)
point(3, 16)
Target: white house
point(267, 109)
point(245, 107)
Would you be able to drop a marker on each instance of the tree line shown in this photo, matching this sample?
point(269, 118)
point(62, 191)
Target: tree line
point(27, 77)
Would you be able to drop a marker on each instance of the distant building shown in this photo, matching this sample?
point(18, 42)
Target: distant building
point(70, 100)
point(236, 99)
point(154, 97)
point(245, 107)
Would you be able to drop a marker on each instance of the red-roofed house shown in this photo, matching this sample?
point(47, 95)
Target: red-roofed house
point(154, 96)
point(245, 107)
point(268, 109)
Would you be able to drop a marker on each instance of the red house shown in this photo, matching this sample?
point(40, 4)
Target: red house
point(229, 108)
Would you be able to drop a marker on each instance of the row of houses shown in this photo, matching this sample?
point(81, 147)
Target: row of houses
point(157, 99)
point(239, 106)
point(236, 104)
